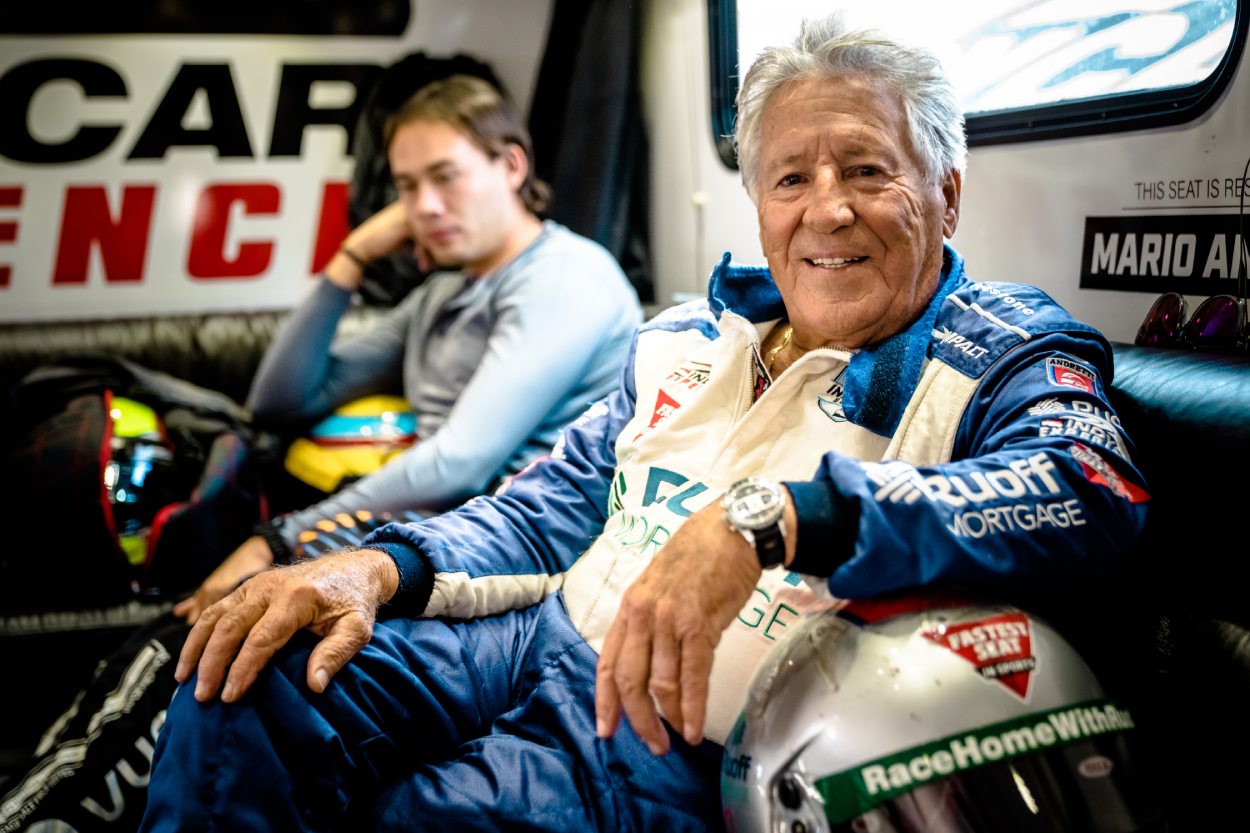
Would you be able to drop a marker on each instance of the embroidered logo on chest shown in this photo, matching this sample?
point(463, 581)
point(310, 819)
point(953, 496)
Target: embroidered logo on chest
point(665, 407)
point(762, 380)
point(691, 375)
point(831, 402)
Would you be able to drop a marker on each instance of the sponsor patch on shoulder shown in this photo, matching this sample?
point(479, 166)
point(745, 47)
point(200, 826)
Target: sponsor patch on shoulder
point(1000, 647)
point(1097, 470)
point(1070, 374)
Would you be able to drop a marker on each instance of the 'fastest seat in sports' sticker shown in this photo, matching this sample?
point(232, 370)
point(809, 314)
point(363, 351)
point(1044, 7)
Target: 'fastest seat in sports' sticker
point(1000, 647)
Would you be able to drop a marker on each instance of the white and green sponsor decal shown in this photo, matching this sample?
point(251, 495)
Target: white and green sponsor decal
point(856, 791)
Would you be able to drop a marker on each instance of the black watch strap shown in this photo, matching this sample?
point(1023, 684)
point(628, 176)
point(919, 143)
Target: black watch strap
point(269, 530)
point(770, 546)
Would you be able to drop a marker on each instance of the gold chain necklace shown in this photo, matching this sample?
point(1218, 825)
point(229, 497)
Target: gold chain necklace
point(772, 354)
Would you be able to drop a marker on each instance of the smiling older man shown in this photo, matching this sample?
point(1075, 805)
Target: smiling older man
point(956, 431)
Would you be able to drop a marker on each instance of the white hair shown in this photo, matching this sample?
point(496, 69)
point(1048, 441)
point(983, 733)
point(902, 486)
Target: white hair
point(828, 49)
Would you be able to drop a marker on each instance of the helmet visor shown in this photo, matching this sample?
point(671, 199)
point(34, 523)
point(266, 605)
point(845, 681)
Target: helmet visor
point(1091, 786)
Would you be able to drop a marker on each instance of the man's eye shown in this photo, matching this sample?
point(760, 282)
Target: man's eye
point(866, 170)
point(791, 179)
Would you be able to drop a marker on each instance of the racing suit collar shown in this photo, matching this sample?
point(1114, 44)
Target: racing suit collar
point(881, 378)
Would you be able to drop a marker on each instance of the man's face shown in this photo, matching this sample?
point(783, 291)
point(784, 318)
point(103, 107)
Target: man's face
point(852, 232)
point(460, 203)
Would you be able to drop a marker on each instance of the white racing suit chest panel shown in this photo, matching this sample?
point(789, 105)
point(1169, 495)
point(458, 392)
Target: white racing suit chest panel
point(694, 433)
point(926, 433)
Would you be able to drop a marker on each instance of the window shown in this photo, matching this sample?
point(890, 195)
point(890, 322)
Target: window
point(1026, 69)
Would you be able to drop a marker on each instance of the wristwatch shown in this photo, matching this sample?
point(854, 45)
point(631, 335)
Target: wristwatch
point(756, 507)
point(271, 531)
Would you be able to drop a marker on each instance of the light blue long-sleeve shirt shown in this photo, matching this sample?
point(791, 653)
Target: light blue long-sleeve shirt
point(493, 368)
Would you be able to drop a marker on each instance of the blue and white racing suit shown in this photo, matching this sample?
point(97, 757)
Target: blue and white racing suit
point(977, 446)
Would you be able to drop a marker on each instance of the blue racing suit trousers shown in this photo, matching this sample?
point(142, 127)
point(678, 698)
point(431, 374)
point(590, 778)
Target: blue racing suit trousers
point(485, 724)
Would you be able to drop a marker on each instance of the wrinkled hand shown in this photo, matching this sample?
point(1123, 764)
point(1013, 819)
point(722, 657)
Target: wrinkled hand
point(336, 597)
point(667, 628)
point(252, 556)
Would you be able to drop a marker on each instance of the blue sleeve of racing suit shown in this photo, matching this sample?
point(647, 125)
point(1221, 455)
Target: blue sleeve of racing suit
point(540, 358)
point(1040, 490)
point(305, 375)
point(508, 551)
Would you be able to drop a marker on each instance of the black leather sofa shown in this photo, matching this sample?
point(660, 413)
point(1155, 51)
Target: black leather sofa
point(54, 654)
point(218, 351)
point(1176, 646)
point(1169, 638)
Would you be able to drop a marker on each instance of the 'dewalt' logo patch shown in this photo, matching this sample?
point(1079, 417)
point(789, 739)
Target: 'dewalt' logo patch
point(1000, 647)
point(1070, 374)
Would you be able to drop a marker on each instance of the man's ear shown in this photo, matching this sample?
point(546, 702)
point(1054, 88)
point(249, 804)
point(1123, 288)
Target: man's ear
point(517, 164)
point(952, 187)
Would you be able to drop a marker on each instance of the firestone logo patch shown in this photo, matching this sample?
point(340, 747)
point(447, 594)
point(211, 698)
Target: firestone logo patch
point(1069, 374)
point(1000, 648)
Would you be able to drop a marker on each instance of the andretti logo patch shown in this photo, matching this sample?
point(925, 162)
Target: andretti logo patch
point(1069, 374)
point(1000, 648)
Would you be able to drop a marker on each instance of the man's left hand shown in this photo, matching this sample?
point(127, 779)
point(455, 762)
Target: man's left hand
point(668, 625)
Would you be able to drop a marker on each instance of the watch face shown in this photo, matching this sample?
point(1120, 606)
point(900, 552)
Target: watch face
point(754, 505)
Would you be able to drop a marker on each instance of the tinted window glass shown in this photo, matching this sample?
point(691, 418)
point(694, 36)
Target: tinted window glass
point(1026, 53)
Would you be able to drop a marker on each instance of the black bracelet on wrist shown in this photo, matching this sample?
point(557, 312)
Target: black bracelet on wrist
point(354, 258)
point(269, 531)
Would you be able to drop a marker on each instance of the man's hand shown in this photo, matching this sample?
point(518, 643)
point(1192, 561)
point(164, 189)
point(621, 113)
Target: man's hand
point(382, 234)
point(669, 624)
point(252, 556)
point(336, 597)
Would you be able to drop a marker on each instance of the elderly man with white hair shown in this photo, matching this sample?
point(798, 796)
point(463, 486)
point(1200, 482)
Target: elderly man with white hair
point(859, 417)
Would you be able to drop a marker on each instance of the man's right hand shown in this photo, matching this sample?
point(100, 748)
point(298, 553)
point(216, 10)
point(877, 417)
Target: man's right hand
point(252, 556)
point(382, 234)
point(335, 596)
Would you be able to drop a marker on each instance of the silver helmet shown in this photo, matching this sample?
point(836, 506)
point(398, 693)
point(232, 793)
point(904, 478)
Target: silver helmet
point(926, 712)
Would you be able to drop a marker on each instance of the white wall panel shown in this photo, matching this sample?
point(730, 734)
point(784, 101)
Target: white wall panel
point(1024, 205)
point(508, 34)
point(699, 209)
